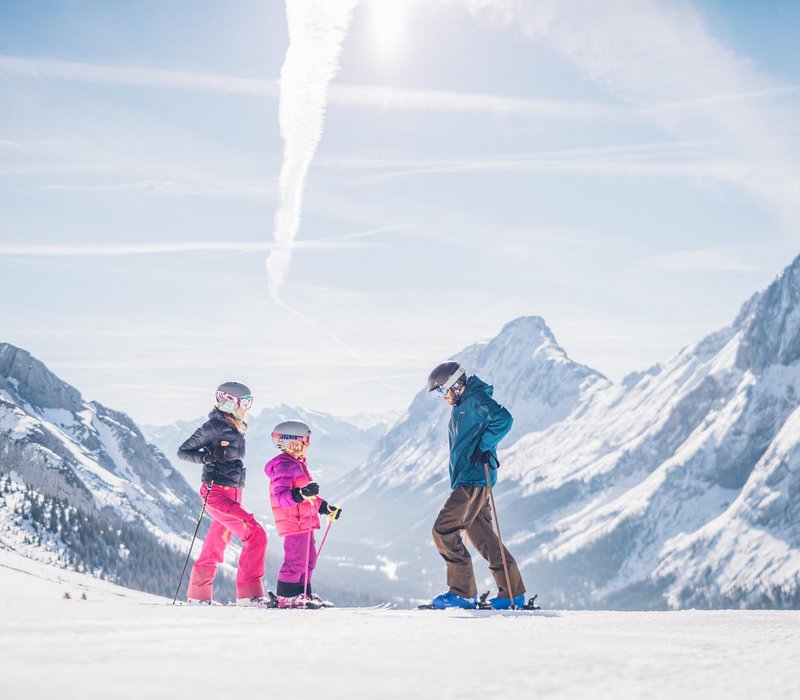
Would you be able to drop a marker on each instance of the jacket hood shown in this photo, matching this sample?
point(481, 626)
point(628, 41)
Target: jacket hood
point(476, 385)
point(216, 414)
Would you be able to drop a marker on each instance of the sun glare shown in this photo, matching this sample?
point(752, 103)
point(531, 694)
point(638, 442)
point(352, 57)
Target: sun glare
point(387, 26)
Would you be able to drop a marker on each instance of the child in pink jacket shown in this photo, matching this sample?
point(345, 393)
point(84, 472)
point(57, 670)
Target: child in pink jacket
point(296, 507)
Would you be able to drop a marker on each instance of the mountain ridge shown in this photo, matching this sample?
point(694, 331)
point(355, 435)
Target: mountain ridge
point(81, 483)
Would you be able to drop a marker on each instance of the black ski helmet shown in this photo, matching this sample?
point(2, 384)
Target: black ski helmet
point(448, 375)
point(289, 431)
point(232, 395)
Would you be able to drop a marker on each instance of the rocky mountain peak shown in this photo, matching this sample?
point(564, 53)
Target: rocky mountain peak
point(526, 363)
point(528, 329)
point(24, 377)
point(770, 323)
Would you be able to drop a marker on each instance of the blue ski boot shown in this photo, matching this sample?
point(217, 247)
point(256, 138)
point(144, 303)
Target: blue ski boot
point(451, 600)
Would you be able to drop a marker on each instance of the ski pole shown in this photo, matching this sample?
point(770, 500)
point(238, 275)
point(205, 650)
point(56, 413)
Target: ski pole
point(308, 558)
point(191, 546)
point(324, 537)
point(499, 537)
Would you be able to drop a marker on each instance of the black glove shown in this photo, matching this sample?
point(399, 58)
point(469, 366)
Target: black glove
point(332, 512)
point(485, 458)
point(308, 491)
point(208, 458)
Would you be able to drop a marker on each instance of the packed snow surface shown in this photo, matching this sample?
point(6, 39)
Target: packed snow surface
point(118, 643)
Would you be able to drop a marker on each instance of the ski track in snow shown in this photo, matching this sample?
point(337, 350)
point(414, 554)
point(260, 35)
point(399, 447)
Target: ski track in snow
point(125, 644)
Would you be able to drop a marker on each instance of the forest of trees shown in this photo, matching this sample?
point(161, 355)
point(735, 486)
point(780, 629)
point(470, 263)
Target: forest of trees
point(120, 552)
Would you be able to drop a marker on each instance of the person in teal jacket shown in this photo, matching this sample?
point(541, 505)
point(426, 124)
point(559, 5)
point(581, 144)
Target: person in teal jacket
point(477, 425)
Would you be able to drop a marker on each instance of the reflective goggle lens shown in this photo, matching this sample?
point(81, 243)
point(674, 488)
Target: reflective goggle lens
point(304, 439)
point(455, 381)
point(245, 402)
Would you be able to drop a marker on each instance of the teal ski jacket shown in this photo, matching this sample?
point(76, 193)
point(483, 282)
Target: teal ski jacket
point(477, 425)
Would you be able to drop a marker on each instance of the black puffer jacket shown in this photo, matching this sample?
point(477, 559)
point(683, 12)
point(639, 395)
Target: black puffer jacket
point(219, 447)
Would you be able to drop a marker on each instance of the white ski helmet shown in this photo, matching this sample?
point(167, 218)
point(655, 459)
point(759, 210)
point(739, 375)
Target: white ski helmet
point(289, 431)
point(233, 395)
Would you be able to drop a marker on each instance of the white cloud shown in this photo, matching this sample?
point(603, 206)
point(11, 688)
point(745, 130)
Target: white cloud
point(673, 109)
point(692, 160)
point(174, 188)
point(702, 260)
point(657, 160)
point(661, 59)
point(133, 77)
point(450, 101)
point(9, 249)
point(352, 240)
point(366, 96)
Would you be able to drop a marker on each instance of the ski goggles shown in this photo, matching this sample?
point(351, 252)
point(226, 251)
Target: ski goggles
point(452, 381)
point(304, 439)
point(228, 402)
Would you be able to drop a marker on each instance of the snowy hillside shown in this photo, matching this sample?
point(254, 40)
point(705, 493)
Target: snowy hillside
point(676, 488)
point(113, 642)
point(679, 487)
point(340, 444)
point(80, 485)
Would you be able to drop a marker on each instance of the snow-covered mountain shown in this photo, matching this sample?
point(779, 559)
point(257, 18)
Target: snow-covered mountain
point(81, 485)
point(678, 487)
point(338, 446)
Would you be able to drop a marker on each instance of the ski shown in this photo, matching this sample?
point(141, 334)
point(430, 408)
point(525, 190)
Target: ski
point(310, 604)
point(484, 604)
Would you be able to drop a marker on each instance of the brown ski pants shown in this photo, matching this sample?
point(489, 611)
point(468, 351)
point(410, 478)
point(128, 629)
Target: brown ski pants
point(468, 509)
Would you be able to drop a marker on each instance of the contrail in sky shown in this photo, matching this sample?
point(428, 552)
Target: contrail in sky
point(317, 29)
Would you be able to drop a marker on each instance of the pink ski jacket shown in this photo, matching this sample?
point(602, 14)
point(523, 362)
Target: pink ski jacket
point(285, 473)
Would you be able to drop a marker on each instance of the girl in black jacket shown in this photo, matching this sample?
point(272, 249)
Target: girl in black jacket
point(219, 446)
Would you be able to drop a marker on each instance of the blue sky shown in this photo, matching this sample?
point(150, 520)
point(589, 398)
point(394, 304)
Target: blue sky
point(628, 170)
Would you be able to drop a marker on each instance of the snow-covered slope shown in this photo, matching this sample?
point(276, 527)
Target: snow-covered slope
point(80, 482)
point(679, 487)
point(105, 641)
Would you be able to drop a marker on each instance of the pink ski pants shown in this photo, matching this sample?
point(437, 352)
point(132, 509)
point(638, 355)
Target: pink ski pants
point(295, 547)
point(224, 506)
